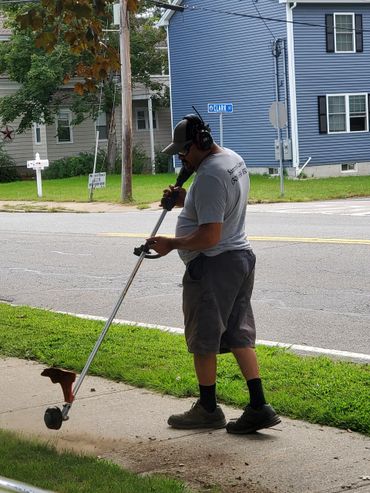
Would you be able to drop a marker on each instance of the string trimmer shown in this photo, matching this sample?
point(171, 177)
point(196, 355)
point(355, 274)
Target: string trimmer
point(54, 416)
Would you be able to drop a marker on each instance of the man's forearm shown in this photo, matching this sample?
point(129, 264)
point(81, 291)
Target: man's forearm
point(206, 236)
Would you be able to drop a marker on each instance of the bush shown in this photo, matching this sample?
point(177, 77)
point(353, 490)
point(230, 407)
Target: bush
point(163, 163)
point(82, 164)
point(140, 161)
point(8, 170)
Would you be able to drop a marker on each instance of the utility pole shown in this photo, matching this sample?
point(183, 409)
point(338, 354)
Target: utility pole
point(126, 90)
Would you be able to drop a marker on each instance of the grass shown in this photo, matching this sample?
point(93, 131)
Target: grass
point(315, 389)
point(43, 466)
point(148, 189)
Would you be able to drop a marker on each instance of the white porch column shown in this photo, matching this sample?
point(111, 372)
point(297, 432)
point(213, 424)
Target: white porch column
point(150, 118)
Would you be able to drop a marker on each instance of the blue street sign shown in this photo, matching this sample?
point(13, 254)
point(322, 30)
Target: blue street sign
point(220, 108)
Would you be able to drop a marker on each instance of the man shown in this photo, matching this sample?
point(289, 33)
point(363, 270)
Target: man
point(218, 281)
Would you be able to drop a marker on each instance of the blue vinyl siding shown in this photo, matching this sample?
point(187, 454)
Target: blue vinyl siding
point(218, 57)
point(319, 73)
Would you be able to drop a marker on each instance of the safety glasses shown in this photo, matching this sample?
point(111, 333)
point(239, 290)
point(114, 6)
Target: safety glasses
point(185, 151)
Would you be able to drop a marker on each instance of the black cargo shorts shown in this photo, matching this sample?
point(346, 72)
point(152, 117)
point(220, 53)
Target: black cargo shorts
point(216, 302)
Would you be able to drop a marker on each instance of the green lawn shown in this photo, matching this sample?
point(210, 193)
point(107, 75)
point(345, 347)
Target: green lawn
point(41, 465)
point(148, 189)
point(315, 389)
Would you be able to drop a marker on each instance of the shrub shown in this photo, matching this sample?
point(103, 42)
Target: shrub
point(8, 170)
point(163, 162)
point(140, 161)
point(82, 164)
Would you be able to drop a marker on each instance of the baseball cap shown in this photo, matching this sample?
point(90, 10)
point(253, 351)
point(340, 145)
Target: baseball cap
point(180, 138)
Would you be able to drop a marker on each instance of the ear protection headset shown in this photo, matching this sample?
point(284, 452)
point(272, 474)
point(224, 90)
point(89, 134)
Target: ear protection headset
point(198, 132)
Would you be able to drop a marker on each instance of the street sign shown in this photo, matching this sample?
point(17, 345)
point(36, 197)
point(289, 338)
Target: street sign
point(220, 108)
point(97, 180)
point(278, 115)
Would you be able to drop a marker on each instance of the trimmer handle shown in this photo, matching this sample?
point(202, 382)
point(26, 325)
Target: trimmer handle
point(145, 248)
point(168, 203)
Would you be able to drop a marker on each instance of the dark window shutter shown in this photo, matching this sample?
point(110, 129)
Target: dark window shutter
point(323, 122)
point(329, 23)
point(359, 33)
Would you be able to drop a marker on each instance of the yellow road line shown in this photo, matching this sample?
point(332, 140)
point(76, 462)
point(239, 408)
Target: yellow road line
point(288, 239)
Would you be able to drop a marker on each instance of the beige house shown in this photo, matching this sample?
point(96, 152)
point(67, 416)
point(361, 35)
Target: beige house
point(151, 127)
point(151, 130)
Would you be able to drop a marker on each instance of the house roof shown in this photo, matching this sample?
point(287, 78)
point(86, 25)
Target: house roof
point(165, 19)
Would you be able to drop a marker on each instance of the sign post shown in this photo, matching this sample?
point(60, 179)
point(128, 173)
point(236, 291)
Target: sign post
point(38, 165)
point(278, 119)
point(221, 108)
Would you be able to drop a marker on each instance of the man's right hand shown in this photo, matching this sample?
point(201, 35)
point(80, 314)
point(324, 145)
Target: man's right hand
point(170, 191)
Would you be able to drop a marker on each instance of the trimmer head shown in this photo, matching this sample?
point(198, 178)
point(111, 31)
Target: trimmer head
point(53, 418)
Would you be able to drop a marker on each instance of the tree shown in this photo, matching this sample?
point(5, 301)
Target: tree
point(54, 41)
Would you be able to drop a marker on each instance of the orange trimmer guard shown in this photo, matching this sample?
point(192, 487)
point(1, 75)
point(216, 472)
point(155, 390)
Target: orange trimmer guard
point(65, 378)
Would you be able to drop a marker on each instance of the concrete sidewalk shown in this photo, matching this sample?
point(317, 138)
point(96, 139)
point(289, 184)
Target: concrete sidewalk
point(128, 426)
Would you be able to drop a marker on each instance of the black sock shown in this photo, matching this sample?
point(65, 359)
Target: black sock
point(257, 399)
point(208, 397)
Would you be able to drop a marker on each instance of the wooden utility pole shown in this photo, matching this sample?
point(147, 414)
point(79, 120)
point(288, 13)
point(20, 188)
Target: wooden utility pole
point(126, 90)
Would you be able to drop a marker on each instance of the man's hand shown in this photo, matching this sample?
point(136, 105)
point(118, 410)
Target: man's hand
point(160, 244)
point(170, 191)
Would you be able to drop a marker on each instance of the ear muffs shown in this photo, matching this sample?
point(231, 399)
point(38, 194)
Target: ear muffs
point(198, 132)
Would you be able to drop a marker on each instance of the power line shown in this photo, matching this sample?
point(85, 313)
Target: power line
point(263, 20)
point(260, 17)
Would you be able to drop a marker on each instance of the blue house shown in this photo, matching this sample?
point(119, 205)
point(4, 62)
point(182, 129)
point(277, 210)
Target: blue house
point(312, 56)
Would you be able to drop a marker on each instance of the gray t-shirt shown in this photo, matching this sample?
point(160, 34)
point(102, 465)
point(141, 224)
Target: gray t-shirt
point(219, 194)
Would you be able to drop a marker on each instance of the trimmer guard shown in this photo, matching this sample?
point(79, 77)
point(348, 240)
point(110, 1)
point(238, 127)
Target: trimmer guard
point(64, 378)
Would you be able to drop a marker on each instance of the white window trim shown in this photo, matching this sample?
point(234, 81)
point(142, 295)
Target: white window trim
point(146, 113)
point(353, 32)
point(346, 96)
point(65, 110)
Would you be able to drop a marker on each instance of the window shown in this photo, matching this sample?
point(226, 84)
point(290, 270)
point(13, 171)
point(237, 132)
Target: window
point(142, 119)
point(344, 33)
point(340, 113)
point(101, 126)
point(37, 133)
point(64, 127)
point(348, 168)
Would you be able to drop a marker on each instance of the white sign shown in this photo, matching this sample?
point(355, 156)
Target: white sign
point(38, 163)
point(278, 115)
point(220, 108)
point(97, 180)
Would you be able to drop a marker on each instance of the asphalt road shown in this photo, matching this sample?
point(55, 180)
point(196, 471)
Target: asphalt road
point(312, 282)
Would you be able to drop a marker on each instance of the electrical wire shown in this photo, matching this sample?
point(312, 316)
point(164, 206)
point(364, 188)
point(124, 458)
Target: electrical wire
point(263, 20)
point(260, 17)
point(216, 11)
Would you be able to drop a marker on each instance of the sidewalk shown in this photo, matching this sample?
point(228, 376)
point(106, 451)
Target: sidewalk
point(40, 206)
point(128, 426)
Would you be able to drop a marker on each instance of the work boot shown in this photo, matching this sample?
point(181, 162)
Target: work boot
point(198, 417)
point(254, 419)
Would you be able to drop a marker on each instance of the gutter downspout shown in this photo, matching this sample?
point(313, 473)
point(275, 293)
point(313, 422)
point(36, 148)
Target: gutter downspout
point(292, 84)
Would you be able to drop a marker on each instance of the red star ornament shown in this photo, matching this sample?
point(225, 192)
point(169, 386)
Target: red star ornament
point(8, 133)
